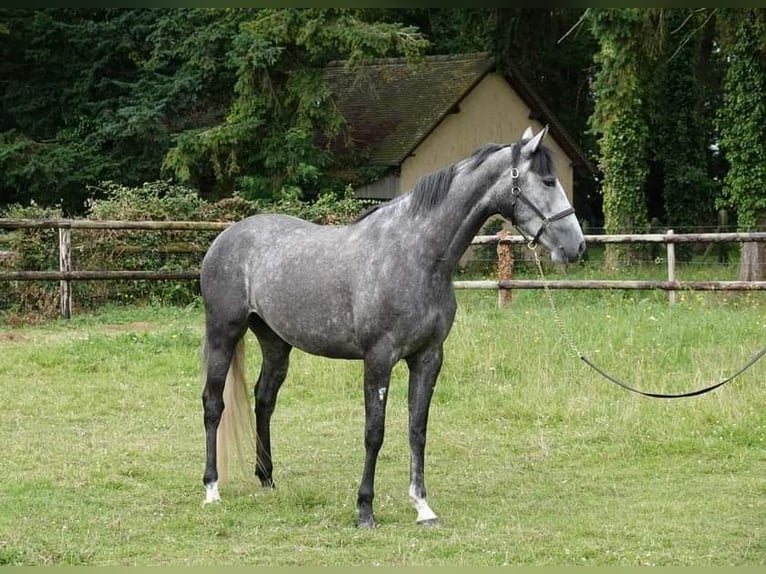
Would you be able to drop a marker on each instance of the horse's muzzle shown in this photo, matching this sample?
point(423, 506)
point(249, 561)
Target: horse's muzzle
point(564, 255)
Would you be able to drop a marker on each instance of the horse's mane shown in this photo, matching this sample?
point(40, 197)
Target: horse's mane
point(542, 160)
point(481, 154)
point(429, 190)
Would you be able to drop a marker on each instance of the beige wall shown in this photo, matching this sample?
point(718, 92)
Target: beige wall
point(491, 113)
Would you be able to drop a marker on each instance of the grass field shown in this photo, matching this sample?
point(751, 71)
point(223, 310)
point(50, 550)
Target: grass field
point(532, 458)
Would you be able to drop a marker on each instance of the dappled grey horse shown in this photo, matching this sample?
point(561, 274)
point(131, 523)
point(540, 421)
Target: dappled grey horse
point(379, 290)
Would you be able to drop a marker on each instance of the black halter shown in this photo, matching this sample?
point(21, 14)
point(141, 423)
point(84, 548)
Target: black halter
point(544, 221)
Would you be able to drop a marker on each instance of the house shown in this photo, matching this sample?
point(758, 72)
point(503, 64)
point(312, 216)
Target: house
point(416, 119)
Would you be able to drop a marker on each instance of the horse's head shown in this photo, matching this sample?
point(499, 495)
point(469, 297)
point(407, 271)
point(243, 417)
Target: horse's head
point(531, 197)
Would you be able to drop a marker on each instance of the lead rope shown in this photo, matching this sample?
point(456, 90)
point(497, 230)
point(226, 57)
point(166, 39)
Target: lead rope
point(573, 348)
point(556, 316)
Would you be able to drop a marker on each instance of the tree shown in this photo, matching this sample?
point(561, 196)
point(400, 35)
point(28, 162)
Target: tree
point(66, 72)
point(742, 121)
point(267, 144)
point(681, 123)
point(619, 122)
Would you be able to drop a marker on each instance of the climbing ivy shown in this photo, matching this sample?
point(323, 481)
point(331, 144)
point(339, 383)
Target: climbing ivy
point(619, 123)
point(680, 125)
point(742, 118)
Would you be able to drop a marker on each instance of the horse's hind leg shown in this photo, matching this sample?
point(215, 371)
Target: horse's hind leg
point(275, 362)
point(220, 343)
point(424, 370)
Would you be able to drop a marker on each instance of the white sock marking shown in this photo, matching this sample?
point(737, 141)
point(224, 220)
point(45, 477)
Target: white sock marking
point(424, 511)
point(211, 493)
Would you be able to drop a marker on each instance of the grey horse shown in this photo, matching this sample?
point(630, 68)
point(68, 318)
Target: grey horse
point(379, 290)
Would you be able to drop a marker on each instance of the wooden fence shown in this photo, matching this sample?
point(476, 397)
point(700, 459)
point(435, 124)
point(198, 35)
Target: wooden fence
point(65, 275)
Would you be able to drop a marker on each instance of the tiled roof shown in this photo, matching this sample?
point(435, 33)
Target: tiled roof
point(391, 106)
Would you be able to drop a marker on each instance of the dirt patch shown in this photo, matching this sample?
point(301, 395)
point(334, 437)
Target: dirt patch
point(10, 337)
point(134, 327)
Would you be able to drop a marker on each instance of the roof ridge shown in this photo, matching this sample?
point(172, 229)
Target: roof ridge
point(464, 56)
point(416, 98)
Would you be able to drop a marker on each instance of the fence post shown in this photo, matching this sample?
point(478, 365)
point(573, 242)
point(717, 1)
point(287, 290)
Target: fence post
point(504, 267)
point(65, 265)
point(671, 248)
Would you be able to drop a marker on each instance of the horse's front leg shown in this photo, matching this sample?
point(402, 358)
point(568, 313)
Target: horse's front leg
point(377, 376)
point(424, 370)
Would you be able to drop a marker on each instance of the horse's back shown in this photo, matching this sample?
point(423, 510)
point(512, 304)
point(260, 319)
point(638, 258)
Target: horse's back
point(257, 244)
point(285, 270)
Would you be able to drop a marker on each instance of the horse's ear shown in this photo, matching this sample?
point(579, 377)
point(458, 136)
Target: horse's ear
point(531, 146)
point(528, 134)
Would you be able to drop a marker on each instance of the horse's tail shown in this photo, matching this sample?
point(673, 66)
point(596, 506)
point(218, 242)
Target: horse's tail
point(236, 432)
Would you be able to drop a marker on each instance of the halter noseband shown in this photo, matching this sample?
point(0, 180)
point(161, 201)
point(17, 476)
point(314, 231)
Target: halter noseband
point(516, 194)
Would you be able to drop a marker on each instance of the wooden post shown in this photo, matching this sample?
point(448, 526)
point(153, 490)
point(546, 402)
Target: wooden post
point(504, 267)
point(65, 266)
point(671, 247)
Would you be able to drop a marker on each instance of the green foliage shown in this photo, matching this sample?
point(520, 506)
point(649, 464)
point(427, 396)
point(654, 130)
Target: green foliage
point(743, 116)
point(327, 209)
point(619, 119)
point(100, 249)
point(449, 30)
point(68, 118)
point(681, 126)
point(267, 145)
point(29, 250)
point(232, 101)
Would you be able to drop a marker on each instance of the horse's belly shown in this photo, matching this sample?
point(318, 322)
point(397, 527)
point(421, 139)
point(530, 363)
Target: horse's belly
point(314, 326)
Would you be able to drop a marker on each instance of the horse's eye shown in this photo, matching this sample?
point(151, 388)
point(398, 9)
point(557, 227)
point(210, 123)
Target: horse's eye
point(549, 182)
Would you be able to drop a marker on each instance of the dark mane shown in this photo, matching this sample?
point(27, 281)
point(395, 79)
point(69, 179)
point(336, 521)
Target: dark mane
point(430, 189)
point(481, 154)
point(369, 211)
point(542, 160)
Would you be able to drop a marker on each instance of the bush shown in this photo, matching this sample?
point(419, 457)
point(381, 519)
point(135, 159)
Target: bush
point(32, 249)
point(95, 249)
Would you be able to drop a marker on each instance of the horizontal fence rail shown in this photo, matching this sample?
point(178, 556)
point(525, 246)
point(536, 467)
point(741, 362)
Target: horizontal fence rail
point(66, 274)
point(731, 237)
point(126, 275)
point(614, 284)
point(113, 224)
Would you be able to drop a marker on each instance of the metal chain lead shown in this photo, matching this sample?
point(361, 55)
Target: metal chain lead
point(556, 316)
point(578, 355)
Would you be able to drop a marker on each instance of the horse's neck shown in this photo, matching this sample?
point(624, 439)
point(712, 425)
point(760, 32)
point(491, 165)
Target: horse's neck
point(449, 228)
point(461, 227)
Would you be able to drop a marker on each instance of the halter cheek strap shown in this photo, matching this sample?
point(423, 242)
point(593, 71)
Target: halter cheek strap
point(545, 221)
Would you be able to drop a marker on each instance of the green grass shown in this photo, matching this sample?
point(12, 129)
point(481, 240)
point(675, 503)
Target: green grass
point(532, 458)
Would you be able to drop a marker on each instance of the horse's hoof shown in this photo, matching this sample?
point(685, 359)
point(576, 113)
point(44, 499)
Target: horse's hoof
point(429, 523)
point(367, 524)
point(266, 480)
point(211, 493)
